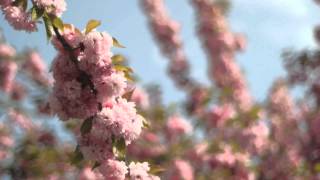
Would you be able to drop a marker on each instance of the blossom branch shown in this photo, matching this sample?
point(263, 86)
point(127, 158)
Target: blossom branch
point(84, 78)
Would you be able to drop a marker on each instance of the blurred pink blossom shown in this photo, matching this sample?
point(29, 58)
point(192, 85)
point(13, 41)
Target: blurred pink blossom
point(8, 70)
point(176, 126)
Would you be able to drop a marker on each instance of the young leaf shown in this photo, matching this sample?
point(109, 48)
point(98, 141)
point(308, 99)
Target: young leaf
point(145, 123)
point(117, 59)
point(119, 147)
point(95, 165)
point(113, 140)
point(48, 26)
point(36, 13)
point(77, 156)
point(254, 112)
point(21, 3)
point(116, 43)
point(156, 170)
point(69, 26)
point(86, 126)
point(123, 68)
point(128, 76)
point(33, 13)
point(24, 4)
point(92, 24)
point(317, 167)
point(57, 22)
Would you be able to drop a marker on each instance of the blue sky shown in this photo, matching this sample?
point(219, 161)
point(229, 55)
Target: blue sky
point(270, 26)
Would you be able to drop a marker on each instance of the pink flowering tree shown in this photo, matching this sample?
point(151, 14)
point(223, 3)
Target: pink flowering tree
point(119, 130)
point(90, 86)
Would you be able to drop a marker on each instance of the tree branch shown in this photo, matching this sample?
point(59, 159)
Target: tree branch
point(84, 77)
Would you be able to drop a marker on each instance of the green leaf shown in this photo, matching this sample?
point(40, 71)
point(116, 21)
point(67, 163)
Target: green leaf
point(70, 26)
point(156, 170)
point(36, 13)
point(67, 26)
point(122, 68)
point(95, 165)
point(227, 91)
point(119, 147)
point(71, 124)
point(126, 70)
point(128, 76)
point(116, 43)
point(146, 124)
point(317, 167)
point(57, 22)
point(77, 156)
point(117, 59)
point(86, 126)
point(48, 26)
point(24, 4)
point(92, 24)
point(21, 3)
point(254, 112)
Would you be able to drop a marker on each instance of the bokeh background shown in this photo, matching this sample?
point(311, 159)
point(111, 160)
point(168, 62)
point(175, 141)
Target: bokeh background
point(270, 27)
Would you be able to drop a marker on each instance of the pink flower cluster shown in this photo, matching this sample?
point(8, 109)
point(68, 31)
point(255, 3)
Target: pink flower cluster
point(21, 120)
point(177, 126)
point(20, 19)
point(114, 170)
point(71, 35)
point(5, 3)
point(198, 155)
point(181, 169)
point(283, 114)
point(6, 142)
point(140, 171)
point(88, 87)
point(54, 7)
point(229, 157)
point(17, 17)
point(221, 46)
point(140, 97)
point(8, 70)
point(18, 91)
point(148, 146)
point(280, 101)
point(36, 68)
point(88, 174)
point(122, 120)
point(6, 51)
point(117, 170)
point(260, 133)
point(97, 145)
point(71, 98)
point(166, 32)
point(218, 115)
